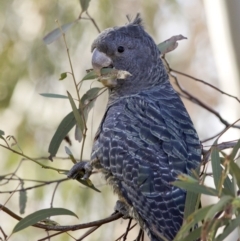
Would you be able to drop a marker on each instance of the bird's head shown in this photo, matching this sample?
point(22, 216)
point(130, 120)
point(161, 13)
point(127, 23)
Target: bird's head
point(129, 48)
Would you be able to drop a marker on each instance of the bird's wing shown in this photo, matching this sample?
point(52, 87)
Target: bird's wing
point(144, 142)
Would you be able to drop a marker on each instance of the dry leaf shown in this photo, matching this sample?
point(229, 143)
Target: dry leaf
point(170, 44)
point(110, 79)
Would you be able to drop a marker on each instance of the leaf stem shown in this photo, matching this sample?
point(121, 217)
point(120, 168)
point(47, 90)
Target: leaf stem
point(31, 159)
point(76, 87)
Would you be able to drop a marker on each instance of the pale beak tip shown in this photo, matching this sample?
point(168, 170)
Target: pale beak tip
point(100, 60)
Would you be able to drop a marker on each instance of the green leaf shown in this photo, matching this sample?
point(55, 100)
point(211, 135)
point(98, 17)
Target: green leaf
point(228, 184)
point(228, 229)
point(216, 167)
point(170, 44)
point(88, 183)
point(2, 177)
point(193, 235)
point(1, 134)
point(68, 151)
point(218, 206)
point(191, 221)
point(235, 150)
point(192, 199)
point(64, 127)
point(90, 75)
point(190, 203)
point(56, 33)
point(63, 76)
point(236, 171)
point(49, 95)
point(196, 188)
point(76, 113)
point(78, 133)
point(22, 199)
point(84, 5)
point(187, 178)
point(40, 215)
point(88, 100)
point(90, 94)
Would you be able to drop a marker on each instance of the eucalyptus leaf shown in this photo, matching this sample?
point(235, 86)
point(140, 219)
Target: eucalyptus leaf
point(90, 75)
point(235, 169)
point(40, 215)
point(191, 221)
point(49, 95)
point(93, 75)
point(235, 150)
point(170, 44)
point(187, 178)
point(88, 183)
point(228, 185)
point(78, 117)
point(78, 133)
point(63, 76)
point(63, 129)
point(84, 5)
point(68, 151)
point(190, 203)
point(22, 199)
point(56, 33)
point(193, 235)
point(89, 95)
point(218, 207)
point(196, 188)
point(228, 229)
point(216, 167)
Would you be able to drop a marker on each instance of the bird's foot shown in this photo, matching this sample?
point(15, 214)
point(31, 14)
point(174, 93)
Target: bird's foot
point(82, 170)
point(122, 208)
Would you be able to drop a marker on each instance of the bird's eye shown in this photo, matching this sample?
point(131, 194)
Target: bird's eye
point(120, 49)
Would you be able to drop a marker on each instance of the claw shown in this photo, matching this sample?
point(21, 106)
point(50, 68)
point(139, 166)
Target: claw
point(122, 208)
point(81, 170)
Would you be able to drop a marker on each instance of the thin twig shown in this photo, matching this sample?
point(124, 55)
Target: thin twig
point(53, 195)
point(200, 103)
point(139, 235)
point(36, 186)
point(14, 173)
point(5, 235)
point(124, 233)
point(212, 137)
point(93, 21)
point(193, 98)
point(2, 206)
point(52, 235)
point(32, 159)
point(80, 104)
point(55, 234)
point(205, 83)
point(91, 230)
point(127, 230)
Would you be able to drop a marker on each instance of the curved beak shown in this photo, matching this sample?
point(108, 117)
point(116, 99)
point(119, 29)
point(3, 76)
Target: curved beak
point(100, 60)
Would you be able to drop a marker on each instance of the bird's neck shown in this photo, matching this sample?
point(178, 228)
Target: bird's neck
point(140, 81)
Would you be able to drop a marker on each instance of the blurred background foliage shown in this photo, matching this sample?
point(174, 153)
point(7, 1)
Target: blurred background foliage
point(29, 67)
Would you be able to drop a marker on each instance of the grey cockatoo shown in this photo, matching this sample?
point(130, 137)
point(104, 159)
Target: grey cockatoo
point(146, 137)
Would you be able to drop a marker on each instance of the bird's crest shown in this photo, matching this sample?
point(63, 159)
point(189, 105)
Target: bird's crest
point(136, 21)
